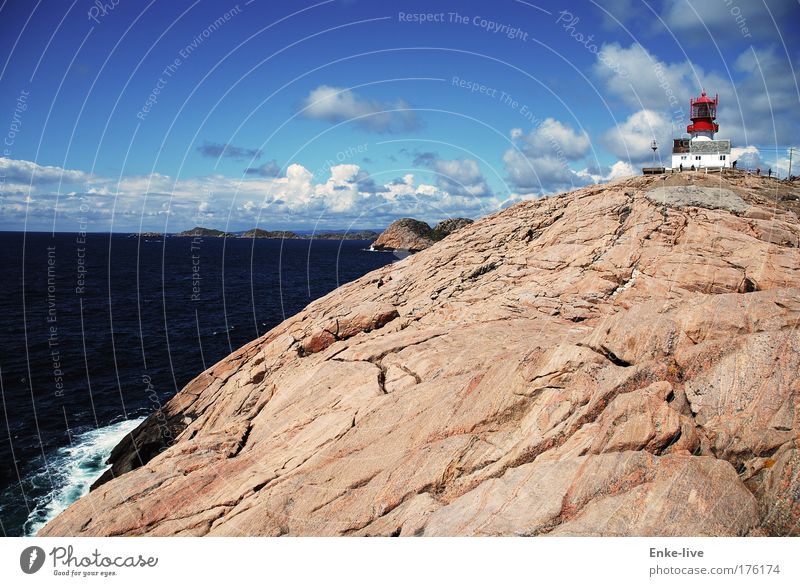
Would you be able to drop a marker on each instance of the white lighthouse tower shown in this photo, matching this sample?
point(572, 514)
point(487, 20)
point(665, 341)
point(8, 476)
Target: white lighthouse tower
point(701, 150)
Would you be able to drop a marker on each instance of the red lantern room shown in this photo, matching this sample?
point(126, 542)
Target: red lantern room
point(704, 111)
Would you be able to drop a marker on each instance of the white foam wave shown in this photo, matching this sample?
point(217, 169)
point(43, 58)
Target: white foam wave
point(73, 469)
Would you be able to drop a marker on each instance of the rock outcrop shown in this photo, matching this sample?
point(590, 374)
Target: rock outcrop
point(618, 360)
point(448, 226)
point(413, 235)
point(405, 234)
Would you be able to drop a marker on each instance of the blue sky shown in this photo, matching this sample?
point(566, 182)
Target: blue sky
point(125, 115)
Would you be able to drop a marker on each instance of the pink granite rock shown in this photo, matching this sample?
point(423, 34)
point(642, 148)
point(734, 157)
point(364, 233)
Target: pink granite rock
point(603, 362)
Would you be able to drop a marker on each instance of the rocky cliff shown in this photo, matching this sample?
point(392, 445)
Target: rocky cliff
point(619, 360)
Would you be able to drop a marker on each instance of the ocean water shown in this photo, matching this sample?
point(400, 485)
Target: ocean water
point(98, 331)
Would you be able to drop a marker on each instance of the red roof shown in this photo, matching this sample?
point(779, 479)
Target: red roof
point(704, 99)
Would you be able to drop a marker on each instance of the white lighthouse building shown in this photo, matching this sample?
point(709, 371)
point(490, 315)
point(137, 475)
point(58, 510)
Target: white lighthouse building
point(701, 150)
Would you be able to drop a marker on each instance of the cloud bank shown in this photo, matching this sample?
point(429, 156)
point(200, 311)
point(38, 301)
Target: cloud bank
point(334, 104)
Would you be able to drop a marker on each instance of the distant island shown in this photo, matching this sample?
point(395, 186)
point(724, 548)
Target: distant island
point(201, 232)
point(205, 233)
point(359, 235)
point(405, 234)
point(259, 233)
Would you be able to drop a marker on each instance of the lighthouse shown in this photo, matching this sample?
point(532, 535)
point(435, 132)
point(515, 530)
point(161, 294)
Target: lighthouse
point(701, 149)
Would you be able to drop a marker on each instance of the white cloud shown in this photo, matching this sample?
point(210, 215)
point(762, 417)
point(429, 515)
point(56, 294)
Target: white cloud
point(769, 98)
point(615, 12)
point(158, 202)
point(619, 170)
point(334, 104)
point(541, 159)
point(344, 173)
point(540, 174)
point(460, 177)
point(456, 176)
point(642, 81)
point(700, 21)
point(27, 172)
point(553, 137)
point(631, 140)
point(751, 158)
point(686, 15)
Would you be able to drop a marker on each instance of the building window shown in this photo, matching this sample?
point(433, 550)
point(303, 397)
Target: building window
point(683, 157)
point(722, 157)
point(697, 157)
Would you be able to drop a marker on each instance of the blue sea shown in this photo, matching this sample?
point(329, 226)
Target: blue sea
point(99, 330)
